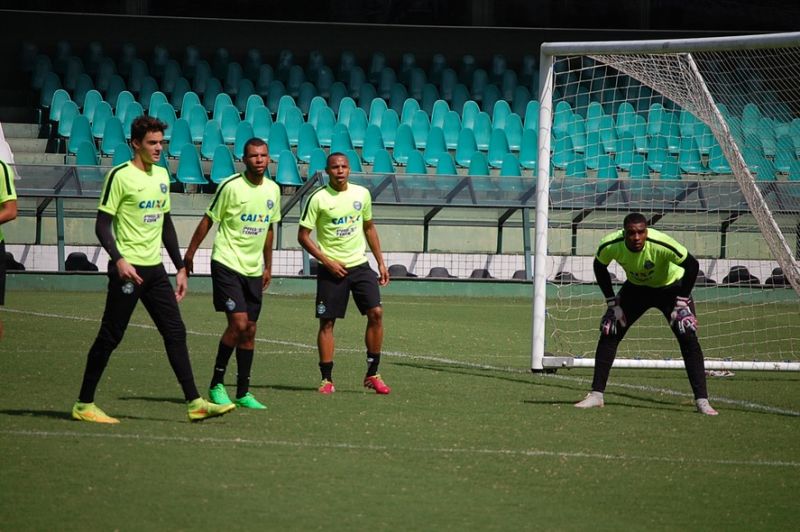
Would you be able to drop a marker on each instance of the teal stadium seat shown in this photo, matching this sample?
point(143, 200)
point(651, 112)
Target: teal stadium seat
point(341, 141)
point(446, 165)
point(212, 137)
point(222, 166)
point(717, 162)
point(318, 162)
point(513, 132)
point(190, 171)
point(420, 127)
point(93, 97)
point(415, 163)
point(346, 107)
point(435, 146)
point(153, 103)
point(123, 154)
point(376, 110)
point(244, 132)
point(403, 144)
point(166, 113)
point(410, 107)
point(466, 147)
point(482, 130)
point(133, 112)
point(383, 163)
point(278, 140)
point(69, 112)
point(292, 120)
point(532, 115)
point(81, 132)
point(500, 114)
point(357, 127)
point(355, 161)
point(478, 165)
point(373, 141)
point(469, 114)
point(326, 121)
point(689, 158)
point(529, 150)
point(197, 120)
point(113, 136)
point(510, 166)
point(439, 112)
point(57, 101)
point(102, 112)
point(498, 148)
point(181, 136)
point(317, 103)
point(254, 101)
point(190, 101)
point(397, 97)
point(307, 142)
point(389, 125)
point(211, 94)
point(86, 154)
point(576, 168)
point(262, 123)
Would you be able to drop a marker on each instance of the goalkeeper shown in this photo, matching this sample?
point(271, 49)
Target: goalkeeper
point(660, 274)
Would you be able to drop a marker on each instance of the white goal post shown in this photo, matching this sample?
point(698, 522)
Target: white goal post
point(703, 137)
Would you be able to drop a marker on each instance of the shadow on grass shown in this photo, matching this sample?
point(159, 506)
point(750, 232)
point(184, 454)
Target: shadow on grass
point(461, 370)
point(172, 400)
point(52, 414)
point(284, 387)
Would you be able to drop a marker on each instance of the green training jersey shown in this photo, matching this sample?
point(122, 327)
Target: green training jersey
point(657, 265)
point(243, 211)
point(138, 201)
point(7, 190)
point(339, 220)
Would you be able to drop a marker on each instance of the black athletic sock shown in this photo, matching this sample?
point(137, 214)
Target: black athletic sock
point(373, 361)
point(96, 362)
point(244, 362)
point(178, 355)
point(326, 369)
point(224, 353)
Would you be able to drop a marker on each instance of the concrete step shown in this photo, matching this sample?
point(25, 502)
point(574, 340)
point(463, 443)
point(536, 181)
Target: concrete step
point(20, 130)
point(52, 159)
point(27, 145)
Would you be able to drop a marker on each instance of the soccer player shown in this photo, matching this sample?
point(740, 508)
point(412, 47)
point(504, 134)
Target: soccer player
point(135, 202)
point(660, 274)
point(245, 206)
point(8, 212)
point(341, 212)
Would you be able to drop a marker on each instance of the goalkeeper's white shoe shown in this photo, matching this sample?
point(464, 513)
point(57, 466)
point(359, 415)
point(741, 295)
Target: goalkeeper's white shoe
point(592, 400)
point(705, 408)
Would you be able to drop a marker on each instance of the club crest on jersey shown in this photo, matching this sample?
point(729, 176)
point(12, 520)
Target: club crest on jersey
point(648, 265)
point(270, 204)
point(163, 188)
point(357, 205)
point(230, 304)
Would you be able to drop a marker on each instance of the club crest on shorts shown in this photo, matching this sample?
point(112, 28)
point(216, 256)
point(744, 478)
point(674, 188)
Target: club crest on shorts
point(321, 308)
point(127, 288)
point(163, 188)
point(230, 304)
point(357, 205)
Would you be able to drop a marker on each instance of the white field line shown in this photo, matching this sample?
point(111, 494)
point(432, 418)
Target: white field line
point(748, 405)
point(527, 453)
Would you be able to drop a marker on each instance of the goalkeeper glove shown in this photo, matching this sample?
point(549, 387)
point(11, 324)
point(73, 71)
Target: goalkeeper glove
point(613, 316)
point(682, 318)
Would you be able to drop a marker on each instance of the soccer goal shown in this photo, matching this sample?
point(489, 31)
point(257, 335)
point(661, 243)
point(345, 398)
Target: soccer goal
point(702, 136)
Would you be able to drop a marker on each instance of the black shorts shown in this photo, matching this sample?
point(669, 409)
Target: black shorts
point(2, 272)
point(234, 292)
point(635, 300)
point(333, 294)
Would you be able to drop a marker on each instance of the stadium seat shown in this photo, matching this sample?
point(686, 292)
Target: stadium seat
point(576, 168)
point(254, 101)
point(244, 132)
point(478, 165)
point(469, 114)
point(212, 137)
point(133, 112)
point(292, 120)
point(318, 161)
point(657, 153)
point(346, 107)
point(196, 121)
point(625, 119)
point(178, 92)
point(153, 103)
point(115, 88)
point(451, 129)
point(262, 123)
point(717, 162)
point(355, 161)
point(513, 132)
point(278, 140)
point(482, 130)
point(83, 85)
point(222, 166)
point(435, 146)
point(466, 147)
point(86, 154)
point(376, 109)
point(460, 97)
point(389, 124)
point(326, 121)
point(373, 141)
point(243, 93)
point(500, 114)
point(190, 172)
point(670, 169)
point(529, 150)
point(166, 113)
point(325, 81)
point(498, 148)
point(124, 99)
point(438, 113)
point(317, 103)
point(123, 154)
point(113, 136)
point(478, 84)
point(447, 87)
point(287, 173)
point(357, 127)
point(341, 141)
point(383, 163)
point(403, 144)
point(689, 158)
point(638, 168)
point(307, 93)
point(410, 107)
point(446, 165)
point(307, 142)
point(563, 153)
point(102, 112)
point(606, 169)
point(275, 92)
point(420, 127)
point(624, 156)
point(80, 132)
point(430, 95)
point(386, 79)
point(366, 93)
point(189, 102)
point(594, 113)
point(415, 163)
point(57, 101)
point(576, 129)
point(510, 166)
point(440, 272)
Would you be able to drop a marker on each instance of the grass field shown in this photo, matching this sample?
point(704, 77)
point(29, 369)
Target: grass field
point(469, 439)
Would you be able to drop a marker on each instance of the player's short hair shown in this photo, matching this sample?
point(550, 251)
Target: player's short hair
point(255, 142)
point(336, 154)
point(634, 218)
point(143, 125)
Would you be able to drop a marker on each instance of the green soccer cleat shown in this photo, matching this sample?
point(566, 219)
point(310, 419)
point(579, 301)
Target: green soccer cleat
point(90, 412)
point(218, 395)
point(248, 401)
point(200, 409)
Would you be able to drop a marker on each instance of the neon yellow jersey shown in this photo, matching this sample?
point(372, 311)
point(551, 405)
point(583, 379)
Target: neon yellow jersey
point(339, 220)
point(657, 265)
point(7, 190)
point(138, 201)
point(243, 211)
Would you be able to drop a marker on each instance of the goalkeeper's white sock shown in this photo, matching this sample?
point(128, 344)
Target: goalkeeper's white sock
point(704, 407)
point(592, 400)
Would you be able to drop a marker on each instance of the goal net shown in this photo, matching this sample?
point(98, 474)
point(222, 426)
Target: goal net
point(702, 136)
